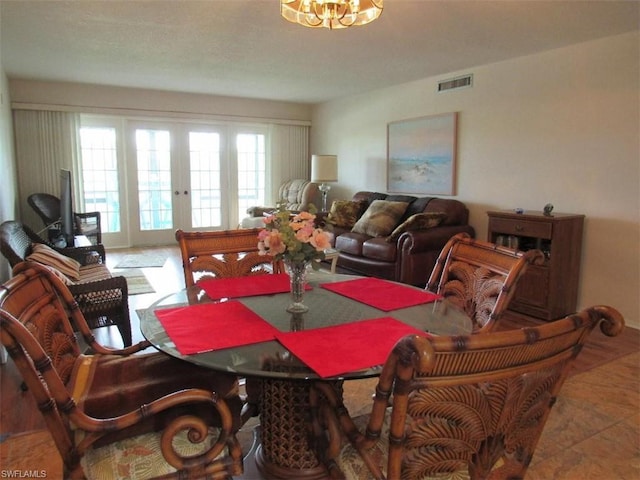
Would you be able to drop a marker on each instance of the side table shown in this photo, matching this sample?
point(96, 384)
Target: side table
point(332, 254)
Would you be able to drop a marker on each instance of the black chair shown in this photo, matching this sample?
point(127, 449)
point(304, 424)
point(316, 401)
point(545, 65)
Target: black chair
point(48, 209)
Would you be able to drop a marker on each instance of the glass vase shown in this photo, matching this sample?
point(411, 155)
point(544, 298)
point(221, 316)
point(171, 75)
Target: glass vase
point(298, 277)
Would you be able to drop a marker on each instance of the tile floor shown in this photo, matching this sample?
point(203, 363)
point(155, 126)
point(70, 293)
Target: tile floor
point(593, 431)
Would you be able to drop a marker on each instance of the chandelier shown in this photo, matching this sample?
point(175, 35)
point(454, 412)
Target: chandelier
point(331, 13)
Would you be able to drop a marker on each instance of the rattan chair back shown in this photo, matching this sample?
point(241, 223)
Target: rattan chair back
point(472, 406)
point(480, 277)
point(220, 254)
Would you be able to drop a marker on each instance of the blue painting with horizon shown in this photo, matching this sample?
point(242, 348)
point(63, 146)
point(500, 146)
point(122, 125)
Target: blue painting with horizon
point(422, 154)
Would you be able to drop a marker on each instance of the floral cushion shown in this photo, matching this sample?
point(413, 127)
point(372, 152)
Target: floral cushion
point(344, 213)
point(419, 221)
point(137, 457)
point(381, 218)
point(46, 255)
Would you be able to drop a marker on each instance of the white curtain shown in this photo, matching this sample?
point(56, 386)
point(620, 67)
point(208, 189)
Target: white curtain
point(290, 157)
point(45, 141)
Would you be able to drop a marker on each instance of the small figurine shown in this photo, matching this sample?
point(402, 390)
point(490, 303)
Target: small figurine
point(548, 208)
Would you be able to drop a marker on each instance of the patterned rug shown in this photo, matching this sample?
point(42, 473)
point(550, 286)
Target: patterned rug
point(136, 281)
point(142, 260)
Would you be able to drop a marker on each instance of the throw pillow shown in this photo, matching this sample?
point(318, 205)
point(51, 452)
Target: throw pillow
point(344, 213)
point(380, 218)
point(48, 256)
point(419, 221)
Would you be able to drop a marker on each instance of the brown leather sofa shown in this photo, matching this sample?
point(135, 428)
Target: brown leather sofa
point(411, 256)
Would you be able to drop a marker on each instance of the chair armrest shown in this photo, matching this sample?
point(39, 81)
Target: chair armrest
point(197, 428)
point(94, 216)
point(259, 211)
point(421, 241)
point(89, 224)
point(88, 255)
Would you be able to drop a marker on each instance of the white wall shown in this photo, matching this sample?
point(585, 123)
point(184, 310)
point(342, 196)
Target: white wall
point(8, 193)
point(560, 127)
point(87, 98)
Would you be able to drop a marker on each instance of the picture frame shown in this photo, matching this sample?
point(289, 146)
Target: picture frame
point(421, 155)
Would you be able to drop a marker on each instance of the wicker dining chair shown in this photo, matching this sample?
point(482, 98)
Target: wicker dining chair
point(223, 254)
point(461, 407)
point(227, 254)
point(480, 277)
point(115, 413)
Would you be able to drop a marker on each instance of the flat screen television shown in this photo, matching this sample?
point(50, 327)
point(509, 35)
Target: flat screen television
point(66, 207)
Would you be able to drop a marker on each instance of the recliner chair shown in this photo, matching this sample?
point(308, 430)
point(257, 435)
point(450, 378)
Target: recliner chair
point(295, 195)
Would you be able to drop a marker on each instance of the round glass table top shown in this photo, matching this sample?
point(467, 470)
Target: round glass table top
point(271, 359)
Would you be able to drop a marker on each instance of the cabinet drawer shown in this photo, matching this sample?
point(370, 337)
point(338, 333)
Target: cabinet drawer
point(522, 228)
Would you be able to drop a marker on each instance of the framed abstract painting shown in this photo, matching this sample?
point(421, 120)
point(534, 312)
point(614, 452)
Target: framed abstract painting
point(421, 155)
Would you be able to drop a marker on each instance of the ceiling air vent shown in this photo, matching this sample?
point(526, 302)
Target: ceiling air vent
point(455, 83)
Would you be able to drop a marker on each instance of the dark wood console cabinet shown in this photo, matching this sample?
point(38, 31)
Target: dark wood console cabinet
point(548, 291)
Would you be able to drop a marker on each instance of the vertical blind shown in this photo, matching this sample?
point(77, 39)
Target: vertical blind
point(289, 157)
point(45, 142)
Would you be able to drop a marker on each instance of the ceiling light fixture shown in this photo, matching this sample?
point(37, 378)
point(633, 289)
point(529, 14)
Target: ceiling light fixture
point(331, 14)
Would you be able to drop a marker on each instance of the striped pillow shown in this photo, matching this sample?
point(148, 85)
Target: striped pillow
point(46, 255)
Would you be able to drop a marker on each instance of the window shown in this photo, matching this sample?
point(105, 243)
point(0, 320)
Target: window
point(251, 171)
point(153, 156)
point(149, 177)
point(206, 194)
point(100, 175)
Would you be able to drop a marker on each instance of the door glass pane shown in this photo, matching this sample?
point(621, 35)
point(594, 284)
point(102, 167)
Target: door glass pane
point(206, 196)
point(100, 176)
point(154, 179)
point(251, 171)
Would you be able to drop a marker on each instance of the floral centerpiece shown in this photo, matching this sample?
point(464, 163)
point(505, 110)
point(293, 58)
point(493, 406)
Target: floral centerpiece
point(296, 239)
point(293, 237)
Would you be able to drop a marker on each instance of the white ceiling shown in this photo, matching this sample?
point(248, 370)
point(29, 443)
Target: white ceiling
point(244, 48)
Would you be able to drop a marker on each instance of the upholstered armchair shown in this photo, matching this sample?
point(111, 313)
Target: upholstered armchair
point(295, 195)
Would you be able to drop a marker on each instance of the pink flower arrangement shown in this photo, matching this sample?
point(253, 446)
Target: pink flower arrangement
point(295, 238)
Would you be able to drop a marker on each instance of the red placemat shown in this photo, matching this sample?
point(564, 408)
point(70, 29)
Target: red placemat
point(381, 294)
point(214, 326)
point(249, 286)
point(331, 351)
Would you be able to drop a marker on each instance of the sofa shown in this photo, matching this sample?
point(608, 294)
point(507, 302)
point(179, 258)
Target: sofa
point(395, 237)
point(102, 298)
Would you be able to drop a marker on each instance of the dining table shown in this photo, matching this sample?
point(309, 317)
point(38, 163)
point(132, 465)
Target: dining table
point(346, 334)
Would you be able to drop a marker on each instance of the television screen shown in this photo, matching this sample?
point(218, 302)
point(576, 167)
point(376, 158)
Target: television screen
point(66, 207)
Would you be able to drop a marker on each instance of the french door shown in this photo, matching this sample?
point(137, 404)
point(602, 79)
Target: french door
point(180, 175)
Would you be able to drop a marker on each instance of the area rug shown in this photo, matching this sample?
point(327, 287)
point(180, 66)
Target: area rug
point(142, 260)
point(136, 281)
